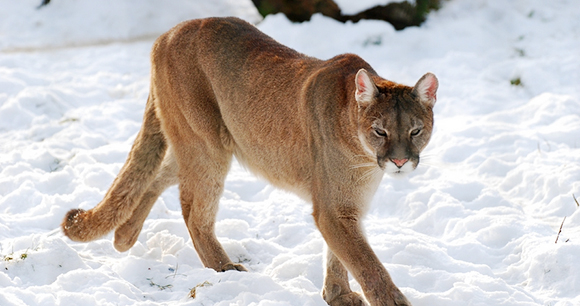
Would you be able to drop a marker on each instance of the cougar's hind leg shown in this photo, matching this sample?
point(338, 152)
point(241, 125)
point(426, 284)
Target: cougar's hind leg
point(126, 235)
point(123, 196)
point(203, 152)
point(201, 183)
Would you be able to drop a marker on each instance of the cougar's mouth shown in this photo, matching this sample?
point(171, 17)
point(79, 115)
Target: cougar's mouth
point(398, 168)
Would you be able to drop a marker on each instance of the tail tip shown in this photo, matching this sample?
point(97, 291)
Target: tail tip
point(71, 225)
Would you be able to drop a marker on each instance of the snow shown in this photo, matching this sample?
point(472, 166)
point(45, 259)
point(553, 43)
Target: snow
point(349, 7)
point(475, 224)
point(76, 23)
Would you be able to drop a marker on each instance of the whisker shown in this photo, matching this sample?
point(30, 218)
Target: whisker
point(430, 163)
point(423, 165)
point(363, 165)
point(361, 156)
point(430, 156)
point(367, 174)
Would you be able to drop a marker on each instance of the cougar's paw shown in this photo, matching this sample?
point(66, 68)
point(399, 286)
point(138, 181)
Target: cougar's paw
point(348, 299)
point(234, 266)
point(70, 224)
point(124, 240)
point(401, 300)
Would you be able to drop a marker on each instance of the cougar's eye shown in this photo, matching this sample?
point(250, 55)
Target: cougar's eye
point(380, 132)
point(415, 132)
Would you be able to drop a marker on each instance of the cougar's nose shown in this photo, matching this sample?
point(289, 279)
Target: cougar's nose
point(399, 162)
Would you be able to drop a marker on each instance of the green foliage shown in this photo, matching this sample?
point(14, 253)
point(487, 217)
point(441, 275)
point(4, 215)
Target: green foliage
point(423, 7)
point(516, 82)
point(160, 287)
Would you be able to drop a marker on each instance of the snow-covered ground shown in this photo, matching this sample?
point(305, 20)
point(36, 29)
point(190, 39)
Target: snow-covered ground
point(476, 224)
point(350, 7)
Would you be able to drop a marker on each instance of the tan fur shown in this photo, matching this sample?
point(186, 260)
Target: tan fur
point(327, 130)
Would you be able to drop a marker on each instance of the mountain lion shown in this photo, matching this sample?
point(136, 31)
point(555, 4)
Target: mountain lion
point(325, 129)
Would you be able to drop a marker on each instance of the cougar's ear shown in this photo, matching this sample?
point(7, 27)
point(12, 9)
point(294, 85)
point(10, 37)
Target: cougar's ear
point(426, 89)
point(366, 89)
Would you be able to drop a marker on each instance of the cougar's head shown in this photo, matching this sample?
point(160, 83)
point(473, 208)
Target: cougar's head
point(395, 121)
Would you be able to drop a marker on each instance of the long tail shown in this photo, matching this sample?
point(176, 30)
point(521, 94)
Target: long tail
point(133, 180)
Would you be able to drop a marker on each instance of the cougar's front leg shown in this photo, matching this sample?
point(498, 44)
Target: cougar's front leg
point(338, 219)
point(336, 290)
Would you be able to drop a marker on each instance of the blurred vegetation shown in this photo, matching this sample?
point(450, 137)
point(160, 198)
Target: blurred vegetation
point(516, 82)
point(400, 14)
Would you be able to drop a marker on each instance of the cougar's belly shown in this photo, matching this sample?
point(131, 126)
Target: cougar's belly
point(284, 165)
